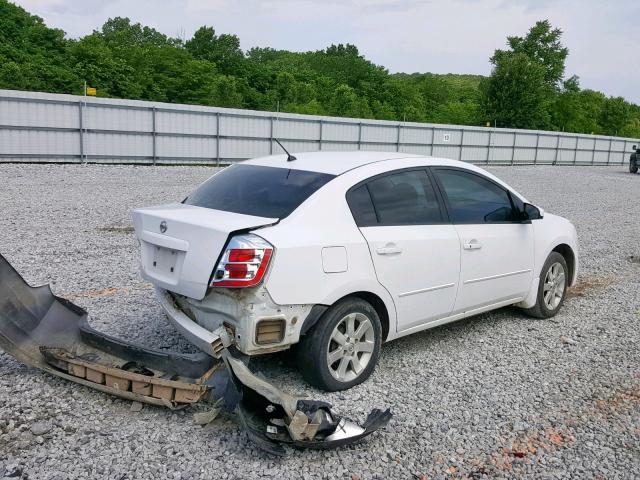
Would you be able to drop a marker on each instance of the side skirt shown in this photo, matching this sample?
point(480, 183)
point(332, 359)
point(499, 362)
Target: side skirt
point(458, 316)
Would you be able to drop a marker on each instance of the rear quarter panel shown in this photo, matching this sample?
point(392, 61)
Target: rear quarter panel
point(297, 274)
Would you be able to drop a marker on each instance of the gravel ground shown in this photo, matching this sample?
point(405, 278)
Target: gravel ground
point(497, 395)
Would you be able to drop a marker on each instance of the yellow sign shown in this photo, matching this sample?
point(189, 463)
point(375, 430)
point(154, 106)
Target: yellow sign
point(488, 124)
point(91, 91)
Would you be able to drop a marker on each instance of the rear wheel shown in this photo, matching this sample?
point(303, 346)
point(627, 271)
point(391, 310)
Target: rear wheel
point(552, 288)
point(633, 165)
point(343, 348)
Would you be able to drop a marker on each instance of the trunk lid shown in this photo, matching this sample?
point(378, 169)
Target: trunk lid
point(180, 244)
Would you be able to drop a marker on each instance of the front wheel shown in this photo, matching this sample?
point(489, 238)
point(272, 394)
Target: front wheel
point(552, 287)
point(633, 166)
point(342, 350)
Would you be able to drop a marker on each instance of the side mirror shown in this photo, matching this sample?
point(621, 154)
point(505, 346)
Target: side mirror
point(531, 212)
point(635, 147)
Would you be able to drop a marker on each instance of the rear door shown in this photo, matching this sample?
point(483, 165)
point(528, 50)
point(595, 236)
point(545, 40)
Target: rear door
point(415, 251)
point(496, 247)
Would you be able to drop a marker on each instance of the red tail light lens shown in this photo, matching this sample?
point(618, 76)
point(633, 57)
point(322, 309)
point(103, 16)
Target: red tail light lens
point(237, 270)
point(243, 263)
point(242, 255)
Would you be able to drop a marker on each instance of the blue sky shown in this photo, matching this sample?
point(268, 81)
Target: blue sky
point(456, 36)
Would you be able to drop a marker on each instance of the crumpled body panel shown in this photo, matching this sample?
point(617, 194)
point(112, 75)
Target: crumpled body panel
point(52, 334)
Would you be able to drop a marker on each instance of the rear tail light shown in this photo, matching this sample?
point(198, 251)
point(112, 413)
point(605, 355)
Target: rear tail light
point(243, 263)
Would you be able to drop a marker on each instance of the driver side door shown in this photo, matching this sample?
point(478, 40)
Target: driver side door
point(496, 247)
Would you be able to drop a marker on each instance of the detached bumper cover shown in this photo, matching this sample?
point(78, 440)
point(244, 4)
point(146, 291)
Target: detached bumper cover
point(54, 335)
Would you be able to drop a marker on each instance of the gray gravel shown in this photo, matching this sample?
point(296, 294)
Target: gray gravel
point(498, 395)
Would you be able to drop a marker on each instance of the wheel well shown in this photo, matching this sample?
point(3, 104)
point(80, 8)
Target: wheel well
point(569, 257)
point(379, 306)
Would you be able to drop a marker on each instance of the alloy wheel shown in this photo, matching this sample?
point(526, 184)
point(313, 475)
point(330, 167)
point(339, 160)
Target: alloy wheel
point(554, 286)
point(351, 347)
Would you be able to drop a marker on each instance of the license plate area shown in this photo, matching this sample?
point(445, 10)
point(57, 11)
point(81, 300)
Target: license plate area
point(164, 260)
point(163, 264)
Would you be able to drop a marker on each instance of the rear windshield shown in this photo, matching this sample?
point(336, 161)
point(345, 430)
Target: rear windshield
point(256, 190)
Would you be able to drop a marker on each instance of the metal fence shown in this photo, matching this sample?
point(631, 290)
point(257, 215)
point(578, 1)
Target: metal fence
point(42, 127)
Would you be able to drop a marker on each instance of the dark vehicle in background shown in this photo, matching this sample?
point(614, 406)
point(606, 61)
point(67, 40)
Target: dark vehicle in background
point(634, 160)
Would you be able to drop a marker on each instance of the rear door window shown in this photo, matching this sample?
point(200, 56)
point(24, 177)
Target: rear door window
point(257, 190)
point(402, 198)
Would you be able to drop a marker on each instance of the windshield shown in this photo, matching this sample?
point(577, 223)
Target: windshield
point(256, 190)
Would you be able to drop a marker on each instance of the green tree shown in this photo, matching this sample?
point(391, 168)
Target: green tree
point(567, 113)
point(129, 60)
point(542, 45)
point(32, 56)
point(515, 95)
point(615, 115)
point(526, 79)
point(346, 103)
point(222, 50)
point(94, 62)
point(632, 128)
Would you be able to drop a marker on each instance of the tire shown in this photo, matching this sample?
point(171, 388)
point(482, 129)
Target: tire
point(633, 165)
point(314, 347)
point(547, 305)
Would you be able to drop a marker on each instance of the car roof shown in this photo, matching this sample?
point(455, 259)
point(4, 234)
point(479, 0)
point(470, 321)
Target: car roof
point(337, 163)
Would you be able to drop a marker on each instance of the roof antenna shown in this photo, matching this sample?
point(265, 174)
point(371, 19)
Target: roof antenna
point(290, 158)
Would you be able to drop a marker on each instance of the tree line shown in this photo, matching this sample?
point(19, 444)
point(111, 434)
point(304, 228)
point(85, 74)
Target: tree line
point(527, 87)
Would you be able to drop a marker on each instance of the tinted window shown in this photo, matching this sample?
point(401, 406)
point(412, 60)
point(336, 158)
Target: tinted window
point(474, 199)
point(361, 206)
point(404, 198)
point(256, 190)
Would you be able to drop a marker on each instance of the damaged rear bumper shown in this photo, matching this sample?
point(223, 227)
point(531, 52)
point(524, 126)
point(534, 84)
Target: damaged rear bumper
point(54, 335)
point(199, 336)
point(242, 310)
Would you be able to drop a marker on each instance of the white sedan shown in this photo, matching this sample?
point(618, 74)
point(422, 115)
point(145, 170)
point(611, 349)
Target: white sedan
point(340, 252)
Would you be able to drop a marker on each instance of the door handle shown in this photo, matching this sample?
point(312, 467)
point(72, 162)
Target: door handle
point(389, 250)
point(472, 245)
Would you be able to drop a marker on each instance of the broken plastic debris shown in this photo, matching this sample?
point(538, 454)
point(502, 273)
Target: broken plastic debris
point(205, 418)
point(53, 334)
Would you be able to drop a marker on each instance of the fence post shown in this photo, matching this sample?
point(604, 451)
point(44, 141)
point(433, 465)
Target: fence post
point(461, 143)
point(398, 138)
point(433, 140)
point(218, 117)
point(535, 156)
point(153, 135)
point(609, 152)
point(80, 130)
point(270, 135)
point(575, 150)
point(320, 138)
point(489, 146)
point(513, 147)
point(555, 156)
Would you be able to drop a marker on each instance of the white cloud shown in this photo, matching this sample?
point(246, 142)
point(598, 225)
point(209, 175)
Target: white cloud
point(204, 6)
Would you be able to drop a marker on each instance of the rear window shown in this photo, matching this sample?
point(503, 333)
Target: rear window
point(257, 190)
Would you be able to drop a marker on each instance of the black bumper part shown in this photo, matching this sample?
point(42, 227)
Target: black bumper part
point(52, 334)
